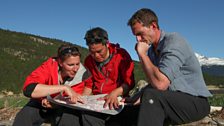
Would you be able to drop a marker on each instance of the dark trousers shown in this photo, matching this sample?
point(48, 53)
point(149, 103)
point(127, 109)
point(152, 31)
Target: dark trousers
point(159, 108)
point(127, 117)
point(33, 114)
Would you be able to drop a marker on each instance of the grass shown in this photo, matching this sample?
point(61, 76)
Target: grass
point(13, 101)
point(217, 100)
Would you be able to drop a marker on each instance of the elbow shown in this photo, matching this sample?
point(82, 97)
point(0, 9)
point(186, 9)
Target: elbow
point(162, 86)
point(28, 91)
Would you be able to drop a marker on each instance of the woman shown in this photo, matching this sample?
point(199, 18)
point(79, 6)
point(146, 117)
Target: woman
point(63, 73)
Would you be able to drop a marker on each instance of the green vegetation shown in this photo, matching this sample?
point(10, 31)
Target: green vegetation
point(214, 80)
point(138, 72)
point(217, 100)
point(12, 101)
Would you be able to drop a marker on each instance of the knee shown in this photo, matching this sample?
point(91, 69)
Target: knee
point(27, 113)
point(150, 96)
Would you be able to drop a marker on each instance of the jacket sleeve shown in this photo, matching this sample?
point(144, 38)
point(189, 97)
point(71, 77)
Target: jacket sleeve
point(89, 83)
point(42, 74)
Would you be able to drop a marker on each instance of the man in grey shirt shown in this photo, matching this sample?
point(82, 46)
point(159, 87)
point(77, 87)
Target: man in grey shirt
point(177, 92)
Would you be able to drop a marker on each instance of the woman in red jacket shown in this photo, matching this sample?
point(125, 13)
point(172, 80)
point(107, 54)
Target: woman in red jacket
point(63, 73)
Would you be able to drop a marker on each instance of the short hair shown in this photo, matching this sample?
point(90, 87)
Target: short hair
point(96, 35)
point(67, 50)
point(145, 16)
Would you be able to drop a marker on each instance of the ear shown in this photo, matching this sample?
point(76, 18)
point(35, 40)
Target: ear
point(60, 62)
point(154, 25)
point(107, 44)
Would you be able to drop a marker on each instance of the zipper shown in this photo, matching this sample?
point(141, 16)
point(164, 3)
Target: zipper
point(102, 85)
point(101, 88)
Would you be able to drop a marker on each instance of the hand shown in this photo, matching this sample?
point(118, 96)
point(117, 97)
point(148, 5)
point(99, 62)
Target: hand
point(141, 48)
point(45, 103)
point(72, 95)
point(134, 100)
point(130, 101)
point(111, 100)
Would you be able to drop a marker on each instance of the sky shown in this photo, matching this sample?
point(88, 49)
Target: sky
point(200, 22)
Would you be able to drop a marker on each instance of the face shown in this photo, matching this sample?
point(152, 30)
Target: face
point(70, 66)
point(99, 52)
point(143, 33)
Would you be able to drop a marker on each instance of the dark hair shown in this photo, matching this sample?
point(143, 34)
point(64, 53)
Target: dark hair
point(67, 50)
point(144, 16)
point(96, 35)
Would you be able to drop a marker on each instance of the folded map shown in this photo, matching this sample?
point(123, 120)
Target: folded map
point(91, 104)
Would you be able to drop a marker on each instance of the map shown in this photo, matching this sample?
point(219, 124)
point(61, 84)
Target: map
point(91, 104)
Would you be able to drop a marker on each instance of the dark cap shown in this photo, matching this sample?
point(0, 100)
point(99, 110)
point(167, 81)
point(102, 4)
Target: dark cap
point(96, 35)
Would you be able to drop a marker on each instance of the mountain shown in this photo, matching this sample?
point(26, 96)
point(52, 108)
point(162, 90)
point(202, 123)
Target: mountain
point(212, 66)
point(212, 61)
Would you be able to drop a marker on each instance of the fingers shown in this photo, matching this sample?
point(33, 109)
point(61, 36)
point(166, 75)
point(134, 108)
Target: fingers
point(76, 98)
point(73, 97)
point(111, 102)
point(137, 102)
point(46, 104)
point(79, 99)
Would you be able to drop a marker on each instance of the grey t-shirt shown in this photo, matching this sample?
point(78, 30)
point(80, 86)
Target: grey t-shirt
point(178, 62)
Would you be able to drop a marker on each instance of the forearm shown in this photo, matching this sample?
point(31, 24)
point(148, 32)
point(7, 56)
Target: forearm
point(122, 90)
point(157, 79)
point(42, 90)
point(87, 91)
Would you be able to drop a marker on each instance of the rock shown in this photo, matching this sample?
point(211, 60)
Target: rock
point(215, 108)
point(10, 93)
point(7, 93)
point(138, 87)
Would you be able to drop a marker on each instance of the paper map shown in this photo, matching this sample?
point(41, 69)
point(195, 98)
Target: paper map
point(91, 104)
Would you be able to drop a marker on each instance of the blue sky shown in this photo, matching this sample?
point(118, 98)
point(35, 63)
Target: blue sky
point(200, 22)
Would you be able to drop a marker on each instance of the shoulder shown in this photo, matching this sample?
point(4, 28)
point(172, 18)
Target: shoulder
point(88, 59)
point(89, 62)
point(119, 50)
point(174, 40)
point(50, 61)
point(176, 44)
point(173, 37)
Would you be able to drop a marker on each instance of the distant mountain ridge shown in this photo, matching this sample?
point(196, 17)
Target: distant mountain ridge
point(209, 61)
point(211, 65)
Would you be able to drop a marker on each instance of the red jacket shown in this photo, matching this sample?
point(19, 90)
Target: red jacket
point(47, 73)
point(119, 70)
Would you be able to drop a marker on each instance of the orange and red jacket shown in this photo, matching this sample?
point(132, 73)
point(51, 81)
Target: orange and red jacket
point(118, 71)
point(47, 73)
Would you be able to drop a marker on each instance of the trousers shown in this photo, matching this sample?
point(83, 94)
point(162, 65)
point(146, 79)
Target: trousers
point(127, 117)
point(159, 108)
point(33, 114)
